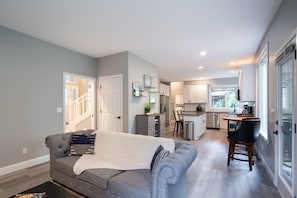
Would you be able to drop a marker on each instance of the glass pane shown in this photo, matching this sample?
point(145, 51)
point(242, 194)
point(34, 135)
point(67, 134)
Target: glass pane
point(73, 94)
point(224, 97)
point(286, 80)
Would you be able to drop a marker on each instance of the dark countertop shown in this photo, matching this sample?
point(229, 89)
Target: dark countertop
point(193, 113)
point(151, 114)
point(219, 112)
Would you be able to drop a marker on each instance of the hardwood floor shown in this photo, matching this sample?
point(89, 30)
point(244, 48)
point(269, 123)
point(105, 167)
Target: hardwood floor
point(208, 177)
point(21, 180)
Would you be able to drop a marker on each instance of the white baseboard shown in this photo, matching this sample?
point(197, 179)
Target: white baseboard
point(267, 168)
point(25, 164)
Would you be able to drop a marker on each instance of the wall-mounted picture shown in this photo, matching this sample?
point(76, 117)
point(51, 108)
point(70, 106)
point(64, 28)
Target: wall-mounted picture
point(136, 89)
point(153, 97)
point(147, 80)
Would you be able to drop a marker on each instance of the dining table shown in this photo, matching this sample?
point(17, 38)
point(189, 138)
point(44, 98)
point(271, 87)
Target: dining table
point(235, 120)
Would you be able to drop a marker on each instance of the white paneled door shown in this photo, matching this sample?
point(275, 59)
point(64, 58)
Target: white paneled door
point(110, 100)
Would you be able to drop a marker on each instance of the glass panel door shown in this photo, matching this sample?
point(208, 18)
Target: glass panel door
point(285, 64)
point(286, 121)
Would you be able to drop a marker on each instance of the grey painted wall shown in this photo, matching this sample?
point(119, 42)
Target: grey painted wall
point(137, 68)
point(133, 68)
point(113, 65)
point(31, 86)
point(281, 27)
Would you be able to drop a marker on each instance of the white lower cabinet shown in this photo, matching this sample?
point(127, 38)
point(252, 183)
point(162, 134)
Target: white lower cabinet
point(199, 122)
point(223, 123)
point(202, 123)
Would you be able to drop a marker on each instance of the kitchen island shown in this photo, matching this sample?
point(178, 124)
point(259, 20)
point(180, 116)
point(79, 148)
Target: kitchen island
point(198, 118)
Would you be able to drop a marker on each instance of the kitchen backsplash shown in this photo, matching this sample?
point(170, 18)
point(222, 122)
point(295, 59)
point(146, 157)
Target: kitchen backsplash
point(193, 107)
point(205, 107)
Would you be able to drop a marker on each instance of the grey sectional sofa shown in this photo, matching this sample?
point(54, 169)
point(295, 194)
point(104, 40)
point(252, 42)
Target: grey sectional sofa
point(167, 180)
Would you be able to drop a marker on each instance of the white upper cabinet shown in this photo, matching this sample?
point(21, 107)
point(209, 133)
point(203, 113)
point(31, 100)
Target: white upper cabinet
point(190, 94)
point(247, 78)
point(202, 93)
point(196, 93)
point(179, 99)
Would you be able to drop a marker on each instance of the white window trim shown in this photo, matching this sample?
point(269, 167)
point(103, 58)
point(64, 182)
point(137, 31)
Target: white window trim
point(222, 109)
point(259, 59)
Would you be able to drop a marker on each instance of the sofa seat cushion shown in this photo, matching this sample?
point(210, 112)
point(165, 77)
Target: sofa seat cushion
point(65, 164)
point(99, 177)
point(132, 183)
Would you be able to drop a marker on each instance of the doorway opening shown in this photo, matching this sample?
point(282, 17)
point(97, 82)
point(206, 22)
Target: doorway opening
point(79, 102)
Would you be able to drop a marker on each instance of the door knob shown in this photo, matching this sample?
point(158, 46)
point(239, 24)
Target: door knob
point(119, 117)
point(275, 132)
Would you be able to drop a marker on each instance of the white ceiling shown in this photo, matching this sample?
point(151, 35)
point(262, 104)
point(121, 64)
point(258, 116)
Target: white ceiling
point(167, 33)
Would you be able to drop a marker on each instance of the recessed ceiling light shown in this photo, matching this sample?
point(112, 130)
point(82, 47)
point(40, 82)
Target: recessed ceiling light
point(200, 67)
point(202, 53)
point(232, 63)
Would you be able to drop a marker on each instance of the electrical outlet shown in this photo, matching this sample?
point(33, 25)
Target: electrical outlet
point(25, 150)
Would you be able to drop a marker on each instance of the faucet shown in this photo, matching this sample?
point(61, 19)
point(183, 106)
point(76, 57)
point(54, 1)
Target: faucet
point(234, 109)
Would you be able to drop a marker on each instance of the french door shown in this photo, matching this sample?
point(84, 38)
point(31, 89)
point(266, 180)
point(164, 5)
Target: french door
point(286, 68)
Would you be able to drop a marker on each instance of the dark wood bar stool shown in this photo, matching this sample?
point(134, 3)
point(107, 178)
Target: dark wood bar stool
point(245, 137)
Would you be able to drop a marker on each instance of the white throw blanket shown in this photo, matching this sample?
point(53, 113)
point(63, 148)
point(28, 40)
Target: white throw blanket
point(122, 151)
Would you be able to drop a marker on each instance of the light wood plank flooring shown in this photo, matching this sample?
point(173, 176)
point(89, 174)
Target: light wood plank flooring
point(21, 180)
point(208, 177)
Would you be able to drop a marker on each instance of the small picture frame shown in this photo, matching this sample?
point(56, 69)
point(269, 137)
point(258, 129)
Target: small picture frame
point(136, 89)
point(147, 80)
point(153, 98)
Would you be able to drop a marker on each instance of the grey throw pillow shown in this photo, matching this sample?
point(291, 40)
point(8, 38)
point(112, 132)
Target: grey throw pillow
point(160, 154)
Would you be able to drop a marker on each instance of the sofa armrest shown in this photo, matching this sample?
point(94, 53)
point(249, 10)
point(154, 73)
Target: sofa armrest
point(172, 171)
point(58, 144)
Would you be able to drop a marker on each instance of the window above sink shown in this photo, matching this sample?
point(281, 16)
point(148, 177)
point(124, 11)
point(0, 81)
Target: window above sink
point(224, 97)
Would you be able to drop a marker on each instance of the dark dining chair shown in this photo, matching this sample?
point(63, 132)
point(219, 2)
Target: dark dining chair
point(181, 119)
point(178, 123)
point(242, 140)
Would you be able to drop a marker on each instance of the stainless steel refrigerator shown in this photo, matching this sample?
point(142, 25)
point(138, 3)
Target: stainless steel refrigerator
point(164, 108)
